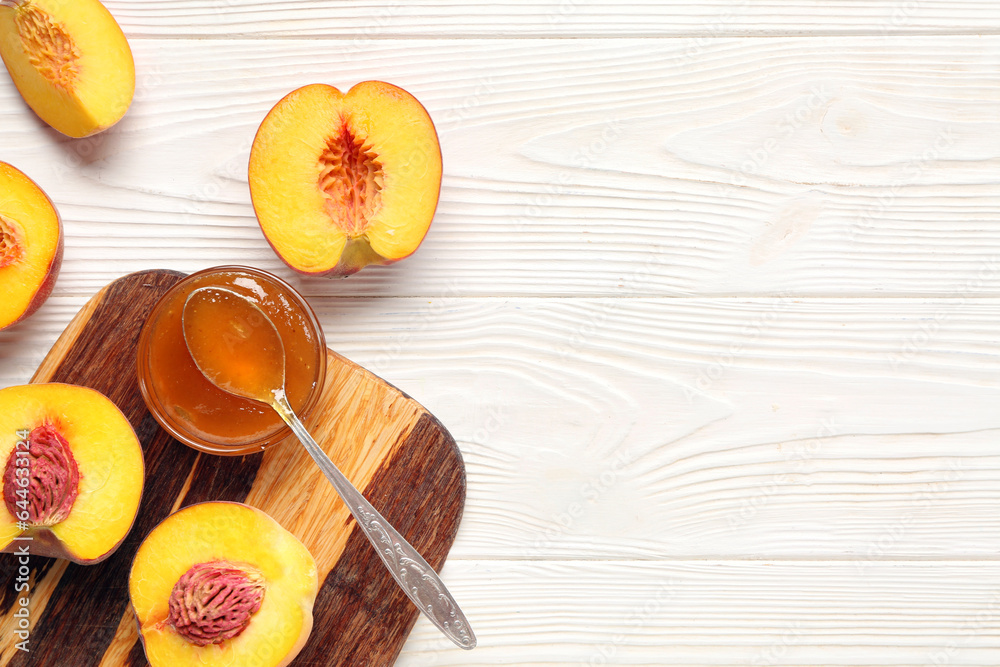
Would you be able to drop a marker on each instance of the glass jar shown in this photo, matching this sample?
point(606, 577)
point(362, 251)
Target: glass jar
point(198, 413)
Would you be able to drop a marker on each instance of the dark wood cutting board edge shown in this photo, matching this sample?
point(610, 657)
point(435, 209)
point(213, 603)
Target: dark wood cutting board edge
point(416, 477)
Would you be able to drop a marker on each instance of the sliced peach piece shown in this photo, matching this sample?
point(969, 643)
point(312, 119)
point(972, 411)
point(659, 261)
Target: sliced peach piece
point(31, 246)
point(69, 60)
point(340, 181)
point(73, 472)
point(221, 583)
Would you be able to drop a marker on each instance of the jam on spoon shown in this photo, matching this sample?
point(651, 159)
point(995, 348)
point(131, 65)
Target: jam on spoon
point(237, 347)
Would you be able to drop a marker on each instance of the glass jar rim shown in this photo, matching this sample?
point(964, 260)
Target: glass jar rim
point(145, 373)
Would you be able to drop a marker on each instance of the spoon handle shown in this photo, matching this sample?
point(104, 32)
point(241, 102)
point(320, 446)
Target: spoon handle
point(413, 574)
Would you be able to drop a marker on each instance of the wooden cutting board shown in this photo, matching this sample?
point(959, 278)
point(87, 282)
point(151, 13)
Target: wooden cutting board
point(400, 455)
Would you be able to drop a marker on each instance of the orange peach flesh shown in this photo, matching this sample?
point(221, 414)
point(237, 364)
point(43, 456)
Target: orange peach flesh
point(11, 245)
point(233, 535)
point(339, 181)
point(49, 46)
point(107, 452)
point(351, 179)
point(30, 246)
point(70, 61)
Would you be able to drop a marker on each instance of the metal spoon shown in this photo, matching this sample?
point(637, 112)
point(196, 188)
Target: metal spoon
point(236, 346)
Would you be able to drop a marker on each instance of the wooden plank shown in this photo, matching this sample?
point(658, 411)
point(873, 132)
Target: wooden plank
point(694, 428)
point(362, 22)
point(700, 613)
point(710, 427)
point(400, 455)
point(805, 166)
point(877, 528)
point(700, 428)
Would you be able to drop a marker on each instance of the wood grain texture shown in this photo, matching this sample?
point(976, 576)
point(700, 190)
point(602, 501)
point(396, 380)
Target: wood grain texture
point(709, 612)
point(362, 21)
point(710, 302)
point(805, 166)
point(101, 354)
point(704, 428)
point(400, 455)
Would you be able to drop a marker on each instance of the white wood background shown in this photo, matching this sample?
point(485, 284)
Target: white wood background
point(711, 301)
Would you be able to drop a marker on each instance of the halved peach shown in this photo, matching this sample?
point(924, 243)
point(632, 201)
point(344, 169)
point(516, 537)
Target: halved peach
point(31, 246)
point(73, 472)
point(340, 181)
point(69, 60)
point(222, 583)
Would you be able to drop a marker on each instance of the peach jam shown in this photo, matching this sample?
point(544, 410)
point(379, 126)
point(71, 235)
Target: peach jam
point(198, 413)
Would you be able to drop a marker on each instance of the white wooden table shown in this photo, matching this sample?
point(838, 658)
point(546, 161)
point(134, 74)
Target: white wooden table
point(711, 301)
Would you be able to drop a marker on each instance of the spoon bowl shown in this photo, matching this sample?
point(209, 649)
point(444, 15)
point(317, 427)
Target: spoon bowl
point(234, 344)
point(238, 349)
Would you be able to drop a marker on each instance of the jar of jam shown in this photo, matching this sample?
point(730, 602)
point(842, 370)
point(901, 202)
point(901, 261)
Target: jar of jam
point(198, 413)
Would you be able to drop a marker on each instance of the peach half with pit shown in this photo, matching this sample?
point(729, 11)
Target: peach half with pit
point(31, 246)
point(70, 61)
point(73, 472)
point(343, 180)
point(222, 583)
